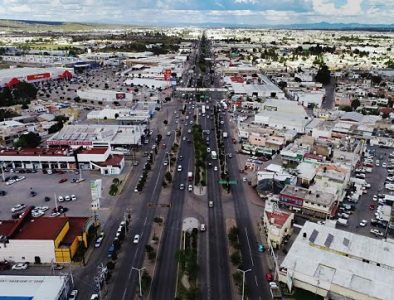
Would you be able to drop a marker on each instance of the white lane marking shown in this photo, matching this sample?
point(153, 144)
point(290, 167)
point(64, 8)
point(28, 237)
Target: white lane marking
point(250, 249)
point(255, 279)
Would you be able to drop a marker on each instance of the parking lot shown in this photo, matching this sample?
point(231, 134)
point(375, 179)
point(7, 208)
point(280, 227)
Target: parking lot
point(367, 205)
point(45, 185)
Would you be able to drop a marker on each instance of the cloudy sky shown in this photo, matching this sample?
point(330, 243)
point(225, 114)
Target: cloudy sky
point(153, 12)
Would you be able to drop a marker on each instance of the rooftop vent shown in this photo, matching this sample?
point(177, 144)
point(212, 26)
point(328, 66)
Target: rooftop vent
point(313, 236)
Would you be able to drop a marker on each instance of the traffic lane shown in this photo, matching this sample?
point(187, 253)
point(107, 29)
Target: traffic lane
point(255, 278)
point(164, 280)
point(125, 289)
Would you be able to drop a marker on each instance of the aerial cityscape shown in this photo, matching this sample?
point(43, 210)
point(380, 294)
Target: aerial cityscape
point(197, 150)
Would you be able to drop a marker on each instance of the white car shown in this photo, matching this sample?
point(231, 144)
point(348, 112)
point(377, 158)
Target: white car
point(190, 188)
point(18, 207)
point(215, 168)
point(98, 242)
point(376, 232)
point(384, 165)
point(273, 285)
point(11, 181)
point(136, 239)
point(208, 150)
point(73, 295)
point(20, 266)
point(60, 199)
point(363, 223)
point(73, 198)
point(55, 214)
point(37, 214)
point(375, 198)
point(67, 198)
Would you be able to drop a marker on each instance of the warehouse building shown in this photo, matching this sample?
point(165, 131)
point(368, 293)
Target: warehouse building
point(11, 77)
point(18, 287)
point(105, 96)
point(337, 264)
point(98, 135)
point(44, 239)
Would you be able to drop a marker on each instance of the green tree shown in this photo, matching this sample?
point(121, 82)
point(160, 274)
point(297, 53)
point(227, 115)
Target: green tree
point(323, 75)
point(236, 258)
point(168, 176)
point(346, 108)
point(29, 140)
point(355, 103)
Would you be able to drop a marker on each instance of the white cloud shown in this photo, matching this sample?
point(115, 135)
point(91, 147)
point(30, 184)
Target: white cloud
point(245, 1)
point(327, 7)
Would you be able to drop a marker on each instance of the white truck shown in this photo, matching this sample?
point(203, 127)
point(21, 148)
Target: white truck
point(225, 134)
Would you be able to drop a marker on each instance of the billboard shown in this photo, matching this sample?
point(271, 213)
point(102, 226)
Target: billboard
point(95, 190)
point(38, 76)
point(68, 143)
point(167, 74)
point(120, 96)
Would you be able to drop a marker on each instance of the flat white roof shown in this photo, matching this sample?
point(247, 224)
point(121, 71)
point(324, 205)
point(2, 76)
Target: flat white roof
point(329, 256)
point(31, 287)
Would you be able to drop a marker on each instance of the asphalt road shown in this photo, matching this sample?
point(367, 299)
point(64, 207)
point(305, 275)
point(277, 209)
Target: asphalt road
point(164, 280)
point(258, 287)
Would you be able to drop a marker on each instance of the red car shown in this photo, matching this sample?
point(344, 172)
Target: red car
point(62, 180)
point(372, 207)
point(269, 277)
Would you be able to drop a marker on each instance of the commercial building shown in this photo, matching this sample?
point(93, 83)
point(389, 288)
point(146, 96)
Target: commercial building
point(105, 96)
point(44, 239)
point(337, 264)
point(98, 135)
point(64, 158)
point(283, 114)
point(11, 77)
point(277, 224)
point(122, 115)
point(10, 131)
point(34, 287)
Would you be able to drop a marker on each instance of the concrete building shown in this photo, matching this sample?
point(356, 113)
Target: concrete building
point(337, 264)
point(278, 225)
point(122, 115)
point(105, 96)
point(10, 131)
point(24, 287)
point(43, 240)
point(10, 77)
point(64, 158)
point(98, 135)
point(283, 114)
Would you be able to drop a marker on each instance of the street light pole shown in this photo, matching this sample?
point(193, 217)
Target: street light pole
point(139, 277)
point(243, 281)
point(169, 162)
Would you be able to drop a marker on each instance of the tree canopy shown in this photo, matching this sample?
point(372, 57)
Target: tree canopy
point(29, 140)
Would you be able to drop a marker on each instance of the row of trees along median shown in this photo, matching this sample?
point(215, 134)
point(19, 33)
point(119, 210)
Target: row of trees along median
point(200, 156)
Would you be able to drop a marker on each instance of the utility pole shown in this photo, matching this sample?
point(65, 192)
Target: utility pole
point(139, 277)
point(243, 281)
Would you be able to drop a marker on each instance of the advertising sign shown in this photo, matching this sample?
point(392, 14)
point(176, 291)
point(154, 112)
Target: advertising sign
point(38, 76)
point(95, 190)
point(120, 96)
point(69, 143)
point(167, 74)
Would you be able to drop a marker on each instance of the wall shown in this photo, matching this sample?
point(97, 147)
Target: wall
point(17, 249)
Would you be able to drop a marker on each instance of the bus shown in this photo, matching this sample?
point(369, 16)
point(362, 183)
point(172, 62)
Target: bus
point(203, 110)
point(214, 155)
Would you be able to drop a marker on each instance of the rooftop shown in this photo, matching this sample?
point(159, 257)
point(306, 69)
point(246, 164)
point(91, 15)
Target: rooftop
point(31, 287)
point(277, 218)
point(44, 228)
point(329, 256)
point(294, 191)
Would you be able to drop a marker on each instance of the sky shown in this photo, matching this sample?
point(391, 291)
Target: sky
point(236, 12)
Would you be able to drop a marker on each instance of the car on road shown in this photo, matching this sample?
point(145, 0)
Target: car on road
point(20, 266)
point(73, 295)
point(181, 186)
point(3, 193)
point(33, 193)
point(60, 199)
point(363, 223)
point(62, 180)
point(202, 227)
point(215, 168)
point(273, 285)
point(165, 163)
point(179, 169)
point(73, 197)
point(18, 207)
point(260, 248)
point(210, 203)
point(208, 150)
point(372, 207)
point(67, 198)
point(98, 242)
point(190, 188)
point(136, 239)
point(94, 297)
point(269, 277)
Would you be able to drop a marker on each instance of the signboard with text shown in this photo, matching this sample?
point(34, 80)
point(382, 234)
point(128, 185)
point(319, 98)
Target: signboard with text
point(69, 143)
point(38, 76)
point(167, 74)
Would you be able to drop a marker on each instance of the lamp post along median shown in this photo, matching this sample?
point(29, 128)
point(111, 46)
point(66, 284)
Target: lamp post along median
point(243, 281)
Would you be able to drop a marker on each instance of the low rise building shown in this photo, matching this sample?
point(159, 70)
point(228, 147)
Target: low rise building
point(278, 224)
point(43, 240)
point(105, 96)
point(337, 264)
